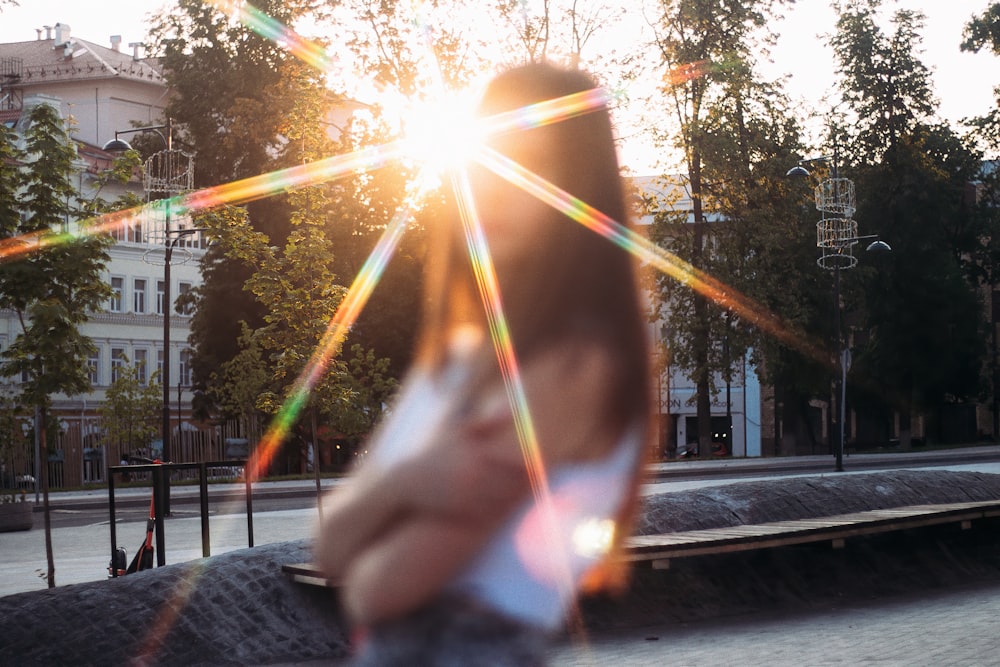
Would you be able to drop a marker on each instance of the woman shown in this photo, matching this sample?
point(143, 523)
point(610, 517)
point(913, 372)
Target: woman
point(447, 550)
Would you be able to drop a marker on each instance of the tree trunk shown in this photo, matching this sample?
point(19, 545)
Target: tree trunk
point(42, 416)
point(315, 448)
point(906, 427)
point(701, 329)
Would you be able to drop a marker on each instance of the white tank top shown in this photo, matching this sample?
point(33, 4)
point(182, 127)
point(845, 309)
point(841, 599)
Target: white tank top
point(531, 569)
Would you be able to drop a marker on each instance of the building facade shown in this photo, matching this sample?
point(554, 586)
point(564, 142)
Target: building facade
point(736, 407)
point(101, 90)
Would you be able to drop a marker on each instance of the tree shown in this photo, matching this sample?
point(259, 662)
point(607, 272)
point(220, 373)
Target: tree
point(259, 88)
point(370, 385)
point(235, 132)
point(13, 440)
point(51, 290)
point(983, 32)
point(245, 378)
point(705, 49)
point(130, 413)
point(921, 345)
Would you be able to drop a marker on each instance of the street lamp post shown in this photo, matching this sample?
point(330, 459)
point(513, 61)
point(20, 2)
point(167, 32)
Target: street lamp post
point(167, 172)
point(836, 236)
point(118, 145)
point(173, 238)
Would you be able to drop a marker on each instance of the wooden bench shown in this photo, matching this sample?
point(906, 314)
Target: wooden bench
point(309, 574)
point(658, 550)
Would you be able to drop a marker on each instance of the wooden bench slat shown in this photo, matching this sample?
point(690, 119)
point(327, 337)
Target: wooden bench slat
point(662, 547)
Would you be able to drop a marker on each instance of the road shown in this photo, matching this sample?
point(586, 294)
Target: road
point(285, 511)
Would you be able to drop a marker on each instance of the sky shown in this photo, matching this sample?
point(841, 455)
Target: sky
point(963, 82)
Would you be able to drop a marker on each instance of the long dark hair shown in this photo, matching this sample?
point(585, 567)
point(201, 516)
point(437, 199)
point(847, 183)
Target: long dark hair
point(572, 284)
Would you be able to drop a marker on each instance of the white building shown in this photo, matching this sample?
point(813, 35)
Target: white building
point(736, 408)
point(101, 90)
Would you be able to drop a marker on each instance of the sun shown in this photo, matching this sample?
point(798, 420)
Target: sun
point(442, 132)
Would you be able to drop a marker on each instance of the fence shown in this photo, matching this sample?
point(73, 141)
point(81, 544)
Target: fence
point(79, 457)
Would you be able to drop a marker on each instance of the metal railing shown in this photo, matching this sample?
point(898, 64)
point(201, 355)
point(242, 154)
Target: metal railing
point(158, 472)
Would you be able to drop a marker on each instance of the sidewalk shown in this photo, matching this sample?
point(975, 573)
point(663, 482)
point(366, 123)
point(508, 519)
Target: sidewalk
point(184, 493)
point(941, 628)
point(952, 459)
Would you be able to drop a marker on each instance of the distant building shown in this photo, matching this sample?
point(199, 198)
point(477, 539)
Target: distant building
point(100, 90)
point(736, 409)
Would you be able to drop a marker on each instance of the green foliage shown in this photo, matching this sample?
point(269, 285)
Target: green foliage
point(52, 291)
point(882, 78)
point(248, 96)
point(370, 385)
point(121, 171)
point(245, 379)
point(236, 131)
point(285, 252)
point(131, 409)
point(922, 331)
point(728, 121)
point(11, 177)
point(14, 440)
point(981, 32)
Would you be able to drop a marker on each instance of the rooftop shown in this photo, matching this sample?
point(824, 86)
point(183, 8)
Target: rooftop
point(58, 55)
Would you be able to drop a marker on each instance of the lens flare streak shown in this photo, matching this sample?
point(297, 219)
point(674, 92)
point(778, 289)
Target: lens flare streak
point(547, 112)
point(489, 290)
point(236, 192)
point(291, 178)
point(330, 344)
point(309, 52)
point(721, 294)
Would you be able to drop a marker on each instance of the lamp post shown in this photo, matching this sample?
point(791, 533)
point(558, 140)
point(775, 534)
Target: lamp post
point(173, 238)
point(836, 236)
point(118, 145)
point(167, 172)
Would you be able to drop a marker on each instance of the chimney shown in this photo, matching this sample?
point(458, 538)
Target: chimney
point(48, 32)
point(135, 46)
point(62, 34)
point(38, 33)
point(116, 43)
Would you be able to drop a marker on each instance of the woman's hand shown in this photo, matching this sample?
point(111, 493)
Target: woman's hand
point(473, 469)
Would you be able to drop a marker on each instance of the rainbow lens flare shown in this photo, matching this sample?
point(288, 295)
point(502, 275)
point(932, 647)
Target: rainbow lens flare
point(593, 537)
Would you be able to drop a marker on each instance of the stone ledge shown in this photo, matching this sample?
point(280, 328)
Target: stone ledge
point(239, 608)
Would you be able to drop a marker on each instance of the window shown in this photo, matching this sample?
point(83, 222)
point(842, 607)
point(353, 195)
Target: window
point(117, 294)
point(182, 289)
point(160, 293)
point(139, 295)
point(94, 367)
point(184, 373)
point(130, 232)
point(118, 359)
point(159, 363)
point(141, 364)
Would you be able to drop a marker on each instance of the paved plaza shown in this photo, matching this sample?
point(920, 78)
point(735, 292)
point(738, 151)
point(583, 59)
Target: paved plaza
point(920, 599)
point(959, 627)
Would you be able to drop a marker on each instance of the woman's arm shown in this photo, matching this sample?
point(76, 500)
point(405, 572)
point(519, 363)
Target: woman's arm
point(354, 515)
point(470, 470)
point(412, 564)
point(461, 492)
